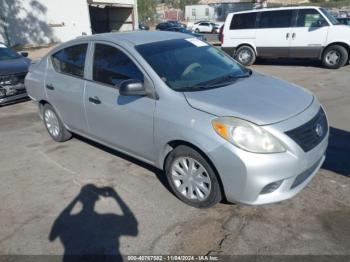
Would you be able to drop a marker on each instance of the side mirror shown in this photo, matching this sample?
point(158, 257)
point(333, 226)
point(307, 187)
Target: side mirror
point(24, 54)
point(132, 87)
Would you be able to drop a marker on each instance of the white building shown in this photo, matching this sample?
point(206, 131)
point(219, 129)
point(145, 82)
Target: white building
point(216, 10)
point(194, 13)
point(44, 21)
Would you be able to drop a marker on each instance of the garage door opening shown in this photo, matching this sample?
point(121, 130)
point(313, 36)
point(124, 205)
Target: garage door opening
point(109, 18)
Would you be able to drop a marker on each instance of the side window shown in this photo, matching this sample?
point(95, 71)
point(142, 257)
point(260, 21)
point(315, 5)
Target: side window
point(310, 18)
point(204, 24)
point(70, 60)
point(275, 19)
point(112, 66)
point(243, 21)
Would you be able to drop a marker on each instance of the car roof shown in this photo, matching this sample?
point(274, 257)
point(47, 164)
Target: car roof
point(131, 37)
point(277, 9)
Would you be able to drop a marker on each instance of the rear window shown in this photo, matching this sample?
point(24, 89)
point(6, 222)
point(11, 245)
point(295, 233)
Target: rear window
point(243, 21)
point(275, 19)
point(70, 60)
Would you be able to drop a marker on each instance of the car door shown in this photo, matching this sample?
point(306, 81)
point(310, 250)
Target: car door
point(123, 122)
point(65, 84)
point(309, 35)
point(273, 33)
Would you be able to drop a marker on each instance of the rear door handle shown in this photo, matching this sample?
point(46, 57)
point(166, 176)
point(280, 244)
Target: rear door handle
point(294, 35)
point(95, 100)
point(50, 86)
point(287, 36)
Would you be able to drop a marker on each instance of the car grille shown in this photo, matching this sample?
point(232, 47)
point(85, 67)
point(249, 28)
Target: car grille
point(311, 133)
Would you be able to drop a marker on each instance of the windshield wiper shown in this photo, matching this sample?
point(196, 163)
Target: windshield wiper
point(217, 82)
point(223, 79)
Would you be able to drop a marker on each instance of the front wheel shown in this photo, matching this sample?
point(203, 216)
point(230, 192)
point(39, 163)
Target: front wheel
point(54, 125)
point(245, 55)
point(335, 56)
point(197, 31)
point(192, 178)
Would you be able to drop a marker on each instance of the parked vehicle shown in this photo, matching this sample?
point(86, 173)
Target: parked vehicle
point(344, 21)
point(217, 27)
point(13, 68)
point(190, 25)
point(204, 27)
point(177, 23)
point(168, 24)
point(289, 32)
point(185, 31)
point(143, 26)
point(216, 128)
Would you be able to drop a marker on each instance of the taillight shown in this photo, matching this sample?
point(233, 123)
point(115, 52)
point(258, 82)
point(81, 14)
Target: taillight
point(221, 35)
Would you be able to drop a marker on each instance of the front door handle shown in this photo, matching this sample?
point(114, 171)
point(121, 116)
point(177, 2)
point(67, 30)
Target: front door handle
point(50, 86)
point(95, 100)
point(294, 35)
point(287, 36)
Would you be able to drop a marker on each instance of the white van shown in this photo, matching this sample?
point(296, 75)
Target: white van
point(289, 32)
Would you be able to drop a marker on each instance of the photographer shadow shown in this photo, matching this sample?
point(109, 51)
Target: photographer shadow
point(338, 152)
point(88, 235)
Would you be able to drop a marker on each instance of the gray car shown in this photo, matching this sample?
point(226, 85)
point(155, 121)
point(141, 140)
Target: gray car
point(217, 129)
point(13, 69)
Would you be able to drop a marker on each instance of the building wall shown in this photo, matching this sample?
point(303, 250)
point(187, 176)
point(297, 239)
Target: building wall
point(222, 9)
point(195, 13)
point(37, 22)
point(43, 21)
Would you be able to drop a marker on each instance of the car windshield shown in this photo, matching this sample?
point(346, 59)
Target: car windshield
point(7, 53)
point(191, 64)
point(330, 17)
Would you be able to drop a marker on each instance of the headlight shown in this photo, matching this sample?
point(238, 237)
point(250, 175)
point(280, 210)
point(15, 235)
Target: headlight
point(247, 135)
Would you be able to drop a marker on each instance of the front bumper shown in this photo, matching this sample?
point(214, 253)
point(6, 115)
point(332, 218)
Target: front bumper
point(11, 91)
point(245, 175)
point(12, 98)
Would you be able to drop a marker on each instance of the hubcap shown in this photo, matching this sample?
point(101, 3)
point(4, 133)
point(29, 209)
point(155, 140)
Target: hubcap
point(244, 56)
point(52, 123)
point(190, 178)
point(333, 57)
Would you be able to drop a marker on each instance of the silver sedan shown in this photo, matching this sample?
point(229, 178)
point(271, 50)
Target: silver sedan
point(217, 129)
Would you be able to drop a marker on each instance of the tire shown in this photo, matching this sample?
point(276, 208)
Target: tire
point(206, 190)
point(245, 55)
point(335, 56)
point(54, 125)
point(197, 31)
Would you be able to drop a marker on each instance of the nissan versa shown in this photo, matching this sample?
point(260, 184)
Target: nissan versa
point(217, 129)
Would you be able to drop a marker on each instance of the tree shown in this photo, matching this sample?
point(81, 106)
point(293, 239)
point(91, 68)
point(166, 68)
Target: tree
point(146, 9)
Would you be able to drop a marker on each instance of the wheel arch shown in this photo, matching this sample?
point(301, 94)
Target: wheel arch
point(246, 44)
point(171, 145)
point(340, 43)
point(41, 105)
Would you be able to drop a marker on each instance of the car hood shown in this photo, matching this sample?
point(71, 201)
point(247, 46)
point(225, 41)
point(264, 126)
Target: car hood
point(260, 99)
point(13, 66)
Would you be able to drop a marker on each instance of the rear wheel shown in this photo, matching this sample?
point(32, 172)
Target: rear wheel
point(335, 56)
point(191, 178)
point(245, 55)
point(54, 125)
